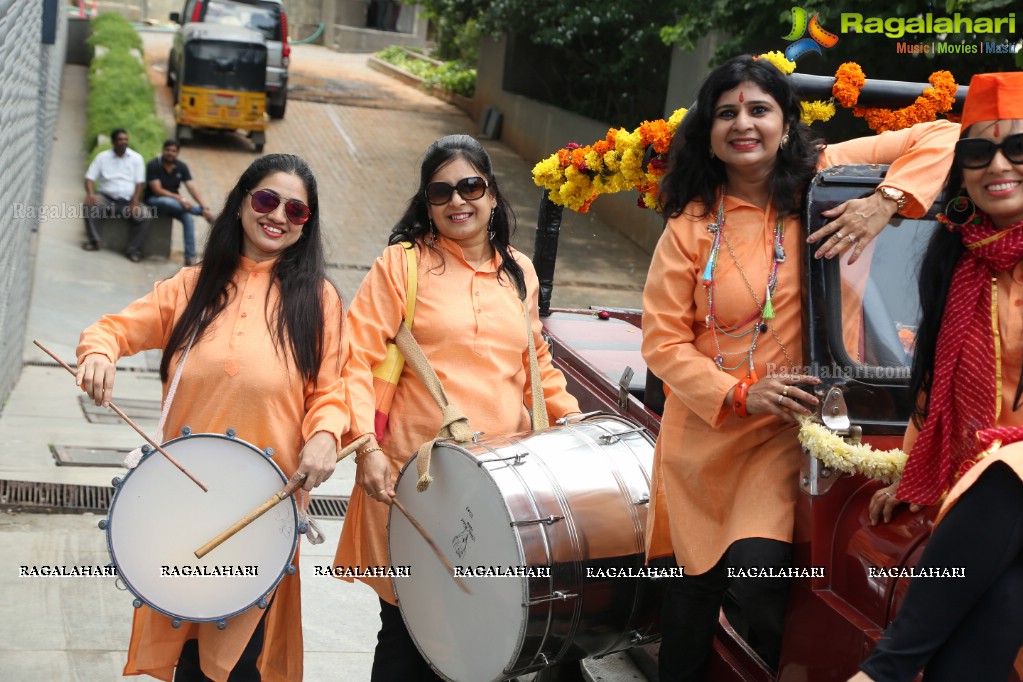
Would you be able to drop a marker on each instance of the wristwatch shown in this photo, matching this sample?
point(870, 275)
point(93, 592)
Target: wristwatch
point(892, 194)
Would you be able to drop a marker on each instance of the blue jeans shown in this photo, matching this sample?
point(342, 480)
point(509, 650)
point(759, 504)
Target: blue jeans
point(167, 206)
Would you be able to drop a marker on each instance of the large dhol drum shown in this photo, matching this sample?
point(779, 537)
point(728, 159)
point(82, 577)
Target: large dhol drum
point(572, 500)
point(158, 518)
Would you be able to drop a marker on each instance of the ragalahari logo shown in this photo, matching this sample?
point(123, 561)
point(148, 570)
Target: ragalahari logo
point(818, 36)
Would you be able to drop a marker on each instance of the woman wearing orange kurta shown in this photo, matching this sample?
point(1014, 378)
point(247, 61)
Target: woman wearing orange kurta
point(966, 368)
point(266, 361)
point(722, 328)
point(468, 320)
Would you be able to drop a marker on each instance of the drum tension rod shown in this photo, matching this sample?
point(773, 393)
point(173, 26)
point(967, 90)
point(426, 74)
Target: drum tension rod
point(557, 596)
point(615, 437)
point(518, 457)
point(532, 522)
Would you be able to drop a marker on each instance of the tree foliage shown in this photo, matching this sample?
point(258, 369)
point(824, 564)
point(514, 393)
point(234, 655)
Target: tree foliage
point(610, 55)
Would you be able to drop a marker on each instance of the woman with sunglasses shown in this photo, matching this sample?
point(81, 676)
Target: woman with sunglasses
point(262, 326)
point(468, 320)
point(967, 371)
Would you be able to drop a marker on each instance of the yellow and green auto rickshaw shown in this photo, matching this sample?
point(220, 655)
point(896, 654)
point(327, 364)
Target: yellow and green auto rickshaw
point(221, 82)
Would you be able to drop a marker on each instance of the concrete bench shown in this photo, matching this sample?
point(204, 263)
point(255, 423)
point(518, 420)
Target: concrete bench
point(114, 233)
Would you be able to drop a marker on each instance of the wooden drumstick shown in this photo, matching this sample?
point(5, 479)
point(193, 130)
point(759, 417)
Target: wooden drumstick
point(130, 423)
point(294, 483)
point(433, 545)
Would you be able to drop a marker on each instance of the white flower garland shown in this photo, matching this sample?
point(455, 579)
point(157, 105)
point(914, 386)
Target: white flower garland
point(836, 453)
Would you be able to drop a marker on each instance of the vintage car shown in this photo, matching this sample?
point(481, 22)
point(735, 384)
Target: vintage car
point(835, 619)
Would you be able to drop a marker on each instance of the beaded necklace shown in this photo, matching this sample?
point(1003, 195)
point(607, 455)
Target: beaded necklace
point(765, 310)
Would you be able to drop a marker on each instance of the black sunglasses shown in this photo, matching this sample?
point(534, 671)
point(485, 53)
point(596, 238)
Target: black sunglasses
point(976, 152)
point(266, 201)
point(439, 193)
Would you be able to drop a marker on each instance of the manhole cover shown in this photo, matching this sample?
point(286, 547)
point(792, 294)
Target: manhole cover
point(69, 455)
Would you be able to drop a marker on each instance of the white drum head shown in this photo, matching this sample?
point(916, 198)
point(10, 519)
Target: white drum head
point(466, 637)
point(159, 517)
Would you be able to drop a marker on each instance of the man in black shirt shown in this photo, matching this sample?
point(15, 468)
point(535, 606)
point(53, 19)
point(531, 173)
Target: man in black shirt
point(164, 177)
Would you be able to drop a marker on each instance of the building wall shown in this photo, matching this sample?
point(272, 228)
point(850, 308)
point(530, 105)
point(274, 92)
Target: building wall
point(536, 130)
point(29, 90)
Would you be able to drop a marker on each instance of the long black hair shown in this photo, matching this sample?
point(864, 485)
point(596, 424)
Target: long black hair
point(300, 273)
point(693, 174)
point(415, 224)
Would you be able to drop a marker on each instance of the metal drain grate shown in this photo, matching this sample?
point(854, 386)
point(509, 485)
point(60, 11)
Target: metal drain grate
point(328, 507)
point(54, 497)
point(139, 409)
point(72, 498)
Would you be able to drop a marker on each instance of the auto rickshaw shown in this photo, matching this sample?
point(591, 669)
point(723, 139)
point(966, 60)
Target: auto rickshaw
point(221, 82)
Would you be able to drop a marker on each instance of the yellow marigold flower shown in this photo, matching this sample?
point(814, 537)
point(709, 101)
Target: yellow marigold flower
point(779, 61)
point(676, 120)
point(818, 110)
point(548, 173)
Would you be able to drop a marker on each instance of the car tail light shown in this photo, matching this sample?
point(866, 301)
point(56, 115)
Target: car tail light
point(199, 7)
point(286, 47)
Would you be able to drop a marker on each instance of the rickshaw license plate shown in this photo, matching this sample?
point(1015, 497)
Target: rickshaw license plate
point(225, 100)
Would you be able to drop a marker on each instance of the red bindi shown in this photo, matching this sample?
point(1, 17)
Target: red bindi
point(996, 126)
point(742, 99)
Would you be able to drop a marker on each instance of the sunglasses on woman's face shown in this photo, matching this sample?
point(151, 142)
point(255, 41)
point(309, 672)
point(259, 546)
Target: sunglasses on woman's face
point(439, 193)
point(976, 152)
point(267, 201)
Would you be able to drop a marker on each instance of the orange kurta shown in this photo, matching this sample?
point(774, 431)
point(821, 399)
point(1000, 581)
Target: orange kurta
point(718, 478)
point(233, 378)
point(470, 327)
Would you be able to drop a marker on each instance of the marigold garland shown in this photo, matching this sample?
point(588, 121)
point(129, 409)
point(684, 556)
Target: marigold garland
point(933, 101)
point(576, 175)
point(623, 160)
point(836, 453)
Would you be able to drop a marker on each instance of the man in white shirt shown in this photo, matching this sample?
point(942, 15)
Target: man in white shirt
point(121, 174)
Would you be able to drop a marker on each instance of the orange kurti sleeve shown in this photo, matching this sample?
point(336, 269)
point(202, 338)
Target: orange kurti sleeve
point(669, 309)
point(920, 157)
point(326, 408)
point(145, 324)
point(373, 318)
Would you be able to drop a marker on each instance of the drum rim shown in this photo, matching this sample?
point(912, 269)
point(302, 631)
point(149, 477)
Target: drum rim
point(131, 588)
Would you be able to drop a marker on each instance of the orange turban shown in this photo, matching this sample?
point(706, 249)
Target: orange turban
point(993, 97)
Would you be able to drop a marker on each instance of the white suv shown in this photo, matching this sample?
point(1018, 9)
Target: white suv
point(265, 16)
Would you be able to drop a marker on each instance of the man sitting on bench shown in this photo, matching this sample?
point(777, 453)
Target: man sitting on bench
point(121, 175)
point(164, 177)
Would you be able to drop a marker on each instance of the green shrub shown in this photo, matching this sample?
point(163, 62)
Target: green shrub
point(450, 76)
point(120, 94)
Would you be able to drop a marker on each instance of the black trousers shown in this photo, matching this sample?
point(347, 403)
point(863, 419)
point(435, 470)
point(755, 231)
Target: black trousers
point(967, 628)
point(245, 670)
point(693, 603)
point(109, 207)
point(396, 658)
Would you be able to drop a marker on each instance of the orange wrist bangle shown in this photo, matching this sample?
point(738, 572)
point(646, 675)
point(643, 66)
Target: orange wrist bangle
point(739, 396)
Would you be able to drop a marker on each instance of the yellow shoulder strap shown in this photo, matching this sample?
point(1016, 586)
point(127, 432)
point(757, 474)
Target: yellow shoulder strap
point(411, 281)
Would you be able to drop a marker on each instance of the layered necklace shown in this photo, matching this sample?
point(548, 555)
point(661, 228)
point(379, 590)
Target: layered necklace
point(758, 323)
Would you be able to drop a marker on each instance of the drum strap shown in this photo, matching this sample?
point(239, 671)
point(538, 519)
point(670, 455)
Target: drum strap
point(455, 425)
point(540, 421)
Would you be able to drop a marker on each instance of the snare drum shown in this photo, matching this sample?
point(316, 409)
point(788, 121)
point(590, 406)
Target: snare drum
point(572, 499)
point(158, 518)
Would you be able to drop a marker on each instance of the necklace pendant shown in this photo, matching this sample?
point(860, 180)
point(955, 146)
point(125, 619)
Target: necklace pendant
point(763, 327)
point(719, 361)
point(779, 253)
point(712, 228)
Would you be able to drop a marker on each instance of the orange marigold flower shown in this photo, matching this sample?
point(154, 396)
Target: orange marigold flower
point(849, 80)
point(564, 158)
point(579, 157)
point(602, 147)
